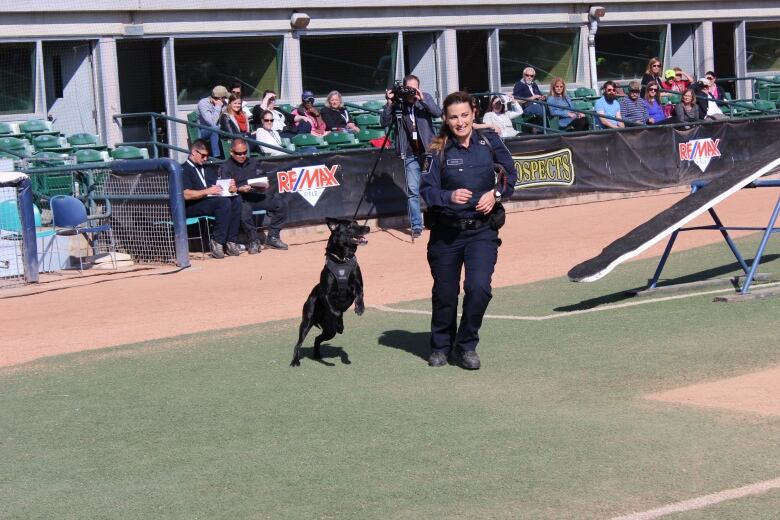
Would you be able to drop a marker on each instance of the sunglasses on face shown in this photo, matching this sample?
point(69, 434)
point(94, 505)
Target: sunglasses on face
point(711, 79)
point(204, 155)
point(240, 154)
point(633, 91)
point(656, 65)
point(268, 120)
point(651, 90)
point(610, 90)
point(529, 75)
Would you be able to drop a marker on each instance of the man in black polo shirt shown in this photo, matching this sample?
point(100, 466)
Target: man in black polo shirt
point(241, 167)
point(202, 198)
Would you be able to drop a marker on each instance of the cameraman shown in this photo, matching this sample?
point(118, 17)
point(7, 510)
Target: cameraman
point(413, 138)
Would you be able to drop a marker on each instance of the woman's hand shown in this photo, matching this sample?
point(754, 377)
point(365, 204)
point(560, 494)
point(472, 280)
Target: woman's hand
point(460, 196)
point(486, 202)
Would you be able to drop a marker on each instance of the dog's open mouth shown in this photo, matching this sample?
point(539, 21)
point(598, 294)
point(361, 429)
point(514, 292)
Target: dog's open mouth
point(359, 239)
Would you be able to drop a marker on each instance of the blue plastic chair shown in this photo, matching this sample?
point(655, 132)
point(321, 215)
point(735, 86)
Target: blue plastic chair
point(71, 218)
point(11, 227)
point(203, 224)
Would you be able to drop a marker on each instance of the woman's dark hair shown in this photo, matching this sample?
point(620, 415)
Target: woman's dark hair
point(455, 98)
point(263, 114)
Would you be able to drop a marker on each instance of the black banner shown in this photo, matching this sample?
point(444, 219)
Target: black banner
point(331, 184)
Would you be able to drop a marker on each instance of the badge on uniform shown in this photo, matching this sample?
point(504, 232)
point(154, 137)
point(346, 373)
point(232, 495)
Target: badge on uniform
point(454, 162)
point(482, 141)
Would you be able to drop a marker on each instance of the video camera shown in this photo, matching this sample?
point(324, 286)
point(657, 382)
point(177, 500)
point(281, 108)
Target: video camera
point(401, 91)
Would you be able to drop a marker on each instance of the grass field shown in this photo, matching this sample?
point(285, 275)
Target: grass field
point(554, 425)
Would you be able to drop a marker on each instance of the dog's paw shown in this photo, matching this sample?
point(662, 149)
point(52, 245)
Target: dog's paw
point(360, 309)
point(295, 362)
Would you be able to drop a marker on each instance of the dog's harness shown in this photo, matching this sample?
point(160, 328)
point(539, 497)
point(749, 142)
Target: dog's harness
point(341, 269)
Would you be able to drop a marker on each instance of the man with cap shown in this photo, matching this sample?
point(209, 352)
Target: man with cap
point(631, 106)
point(209, 111)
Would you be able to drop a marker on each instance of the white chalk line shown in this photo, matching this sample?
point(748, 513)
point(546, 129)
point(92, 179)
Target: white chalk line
point(582, 311)
point(705, 501)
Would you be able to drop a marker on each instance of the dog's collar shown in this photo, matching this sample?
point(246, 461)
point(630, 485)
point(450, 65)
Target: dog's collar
point(341, 260)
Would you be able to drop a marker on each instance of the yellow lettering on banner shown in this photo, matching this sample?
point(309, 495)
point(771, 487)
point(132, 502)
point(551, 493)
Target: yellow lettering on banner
point(548, 169)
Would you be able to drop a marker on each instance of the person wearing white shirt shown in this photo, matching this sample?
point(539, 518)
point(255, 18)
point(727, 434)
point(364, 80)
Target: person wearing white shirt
point(267, 134)
point(499, 117)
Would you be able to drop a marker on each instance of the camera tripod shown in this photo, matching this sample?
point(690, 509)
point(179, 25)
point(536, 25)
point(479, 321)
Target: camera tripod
point(394, 127)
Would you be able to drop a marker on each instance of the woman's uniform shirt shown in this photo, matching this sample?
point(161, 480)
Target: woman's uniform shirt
point(472, 168)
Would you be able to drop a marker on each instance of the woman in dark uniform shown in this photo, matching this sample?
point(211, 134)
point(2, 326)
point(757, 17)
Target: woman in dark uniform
point(461, 189)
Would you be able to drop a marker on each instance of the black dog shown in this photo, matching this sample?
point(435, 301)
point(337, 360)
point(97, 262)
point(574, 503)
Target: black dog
point(340, 285)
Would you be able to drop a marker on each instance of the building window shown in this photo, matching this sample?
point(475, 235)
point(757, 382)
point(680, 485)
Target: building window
point(353, 64)
point(623, 52)
point(17, 82)
point(205, 63)
point(762, 43)
point(552, 52)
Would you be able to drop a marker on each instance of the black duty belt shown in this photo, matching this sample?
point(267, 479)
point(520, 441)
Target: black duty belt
point(462, 224)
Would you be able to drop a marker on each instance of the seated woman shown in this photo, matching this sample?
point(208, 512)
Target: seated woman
point(500, 118)
point(267, 134)
point(234, 119)
point(655, 112)
point(308, 118)
point(687, 111)
point(284, 122)
point(336, 116)
point(560, 105)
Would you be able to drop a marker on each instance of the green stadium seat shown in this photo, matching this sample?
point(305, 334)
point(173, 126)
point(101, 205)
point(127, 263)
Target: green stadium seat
point(305, 140)
point(85, 140)
point(48, 160)
point(51, 143)
point(367, 134)
point(374, 105)
point(15, 146)
point(368, 121)
point(129, 152)
point(286, 107)
point(90, 155)
point(342, 140)
point(585, 92)
point(37, 127)
point(9, 130)
point(193, 132)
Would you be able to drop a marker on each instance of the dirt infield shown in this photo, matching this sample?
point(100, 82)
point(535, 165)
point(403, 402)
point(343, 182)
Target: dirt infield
point(757, 393)
point(67, 314)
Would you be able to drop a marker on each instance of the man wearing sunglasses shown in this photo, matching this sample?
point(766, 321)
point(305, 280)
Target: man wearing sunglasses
point(526, 89)
point(608, 105)
point(632, 108)
point(240, 167)
point(202, 197)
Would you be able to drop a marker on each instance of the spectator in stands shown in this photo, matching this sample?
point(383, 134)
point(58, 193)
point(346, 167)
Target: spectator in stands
point(527, 91)
point(652, 73)
point(267, 134)
point(655, 112)
point(209, 111)
point(503, 109)
point(284, 122)
point(677, 80)
point(307, 118)
point(235, 89)
point(708, 108)
point(202, 198)
point(715, 90)
point(608, 105)
point(240, 167)
point(413, 140)
point(632, 108)
point(687, 111)
point(233, 119)
point(336, 116)
point(561, 106)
